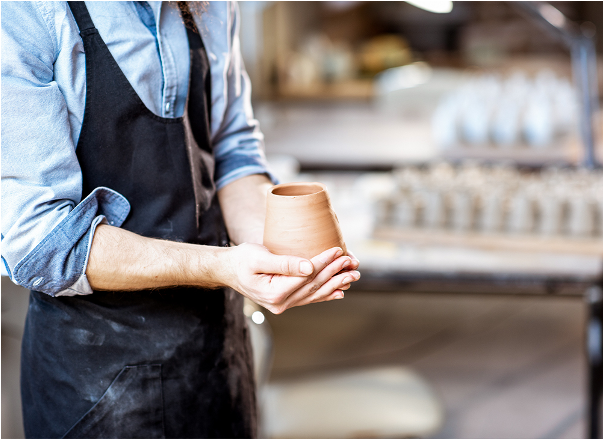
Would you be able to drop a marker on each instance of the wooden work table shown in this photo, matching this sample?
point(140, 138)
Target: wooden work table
point(446, 262)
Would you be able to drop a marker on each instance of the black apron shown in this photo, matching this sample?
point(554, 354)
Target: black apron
point(173, 363)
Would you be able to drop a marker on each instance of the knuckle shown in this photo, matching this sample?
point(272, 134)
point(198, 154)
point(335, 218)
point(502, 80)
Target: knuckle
point(335, 268)
point(285, 266)
point(314, 287)
point(277, 299)
point(273, 301)
point(281, 297)
point(278, 310)
point(345, 279)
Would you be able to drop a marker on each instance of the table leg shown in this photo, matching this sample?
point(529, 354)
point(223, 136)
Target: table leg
point(594, 356)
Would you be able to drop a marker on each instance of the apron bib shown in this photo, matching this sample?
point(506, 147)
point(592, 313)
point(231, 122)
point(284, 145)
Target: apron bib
point(170, 363)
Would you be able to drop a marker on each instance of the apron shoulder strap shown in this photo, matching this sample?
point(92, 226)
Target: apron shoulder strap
point(81, 15)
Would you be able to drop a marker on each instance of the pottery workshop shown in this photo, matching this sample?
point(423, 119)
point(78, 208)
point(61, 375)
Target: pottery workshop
point(291, 219)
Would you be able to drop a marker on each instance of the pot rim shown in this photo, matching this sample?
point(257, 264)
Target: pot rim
point(322, 187)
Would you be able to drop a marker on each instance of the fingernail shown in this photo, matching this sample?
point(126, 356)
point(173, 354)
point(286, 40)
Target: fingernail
point(340, 295)
point(347, 280)
point(346, 264)
point(306, 268)
point(339, 252)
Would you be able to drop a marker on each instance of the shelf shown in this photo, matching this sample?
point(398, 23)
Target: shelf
point(522, 155)
point(351, 89)
point(505, 242)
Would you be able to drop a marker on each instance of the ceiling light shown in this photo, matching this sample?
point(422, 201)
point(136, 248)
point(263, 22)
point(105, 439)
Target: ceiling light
point(437, 6)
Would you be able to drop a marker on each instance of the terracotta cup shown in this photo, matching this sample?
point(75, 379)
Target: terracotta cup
point(300, 220)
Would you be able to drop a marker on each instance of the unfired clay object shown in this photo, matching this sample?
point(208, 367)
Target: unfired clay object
point(300, 220)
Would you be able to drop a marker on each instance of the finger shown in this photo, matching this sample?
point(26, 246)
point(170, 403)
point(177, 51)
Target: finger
point(310, 287)
point(322, 277)
point(355, 261)
point(283, 279)
point(285, 265)
point(281, 275)
point(325, 293)
point(349, 268)
point(296, 266)
point(341, 265)
point(309, 294)
point(337, 294)
point(289, 286)
point(324, 259)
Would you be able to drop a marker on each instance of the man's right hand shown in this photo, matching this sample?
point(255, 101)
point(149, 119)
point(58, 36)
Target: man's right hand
point(279, 282)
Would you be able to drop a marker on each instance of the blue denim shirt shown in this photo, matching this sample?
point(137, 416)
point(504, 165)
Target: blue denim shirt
point(47, 228)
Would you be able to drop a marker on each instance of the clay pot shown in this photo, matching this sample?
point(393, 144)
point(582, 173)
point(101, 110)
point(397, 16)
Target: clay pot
point(300, 220)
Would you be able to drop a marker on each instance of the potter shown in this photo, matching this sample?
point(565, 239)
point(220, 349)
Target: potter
point(139, 187)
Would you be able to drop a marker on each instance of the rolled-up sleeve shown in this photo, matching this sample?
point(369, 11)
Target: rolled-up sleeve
point(46, 228)
point(238, 142)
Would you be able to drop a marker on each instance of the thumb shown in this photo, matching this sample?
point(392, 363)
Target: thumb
point(287, 265)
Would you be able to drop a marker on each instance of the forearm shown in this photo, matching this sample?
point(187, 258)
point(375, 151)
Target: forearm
point(122, 260)
point(243, 204)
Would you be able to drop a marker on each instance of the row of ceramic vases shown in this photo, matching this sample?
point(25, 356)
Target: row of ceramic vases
point(493, 213)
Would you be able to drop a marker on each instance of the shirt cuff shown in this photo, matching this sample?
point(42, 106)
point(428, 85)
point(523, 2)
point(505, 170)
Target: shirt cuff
point(82, 286)
point(57, 265)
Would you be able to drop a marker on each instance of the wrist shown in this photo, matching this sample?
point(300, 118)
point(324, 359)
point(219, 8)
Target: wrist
point(224, 273)
point(186, 264)
point(211, 267)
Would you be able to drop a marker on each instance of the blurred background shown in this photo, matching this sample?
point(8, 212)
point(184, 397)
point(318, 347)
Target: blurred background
point(461, 144)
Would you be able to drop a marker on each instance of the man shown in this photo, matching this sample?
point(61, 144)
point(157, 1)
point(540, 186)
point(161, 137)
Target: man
point(130, 160)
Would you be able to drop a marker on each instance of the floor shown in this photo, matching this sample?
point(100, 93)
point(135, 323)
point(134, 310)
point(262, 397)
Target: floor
point(502, 367)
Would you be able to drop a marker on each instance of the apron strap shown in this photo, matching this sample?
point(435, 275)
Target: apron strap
point(82, 17)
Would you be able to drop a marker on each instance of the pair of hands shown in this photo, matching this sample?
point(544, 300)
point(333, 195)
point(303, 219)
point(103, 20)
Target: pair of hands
point(279, 282)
